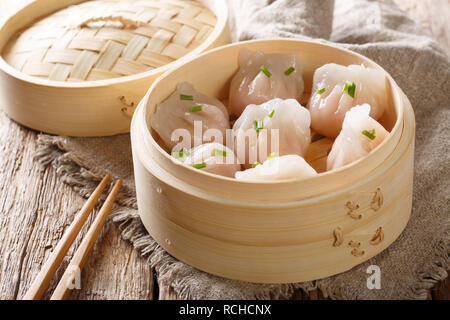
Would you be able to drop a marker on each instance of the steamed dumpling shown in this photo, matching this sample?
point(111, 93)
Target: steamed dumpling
point(212, 157)
point(338, 88)
point(282, 79)
point(254, 138)
point(278, 168)
point(360, 134)
point(182, 108)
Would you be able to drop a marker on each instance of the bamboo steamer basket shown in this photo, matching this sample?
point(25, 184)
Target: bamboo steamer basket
point(274, 232)
point(72, 73)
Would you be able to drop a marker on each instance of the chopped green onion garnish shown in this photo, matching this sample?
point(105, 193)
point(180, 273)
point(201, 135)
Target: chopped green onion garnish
point(258, 124)
point(256, 163)
point(350, 89)
point(320, 91)
point(199, 165)
point(195, 108)
point(186, 97)
point(369, 134)
point(181, 154)
point(272, 155)
point(289, 71)
point(265, 71)
point(178, 154)
point(218, 152)
point(270, 115)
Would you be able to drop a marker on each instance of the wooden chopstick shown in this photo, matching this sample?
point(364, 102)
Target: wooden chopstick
point(44, 276)
point(80, 256)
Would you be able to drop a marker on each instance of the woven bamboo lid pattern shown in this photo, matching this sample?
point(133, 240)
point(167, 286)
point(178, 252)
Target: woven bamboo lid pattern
point(98, 40)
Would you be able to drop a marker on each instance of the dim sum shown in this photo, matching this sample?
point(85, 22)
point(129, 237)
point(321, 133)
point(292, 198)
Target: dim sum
point(338, 88)
point(182, 109)
point(360, 134)
point(211, 157)
point(280, 126)
point(262, 77)
point(278, 168)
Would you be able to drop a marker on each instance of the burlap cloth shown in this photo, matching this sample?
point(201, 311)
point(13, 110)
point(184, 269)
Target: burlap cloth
point(377, 29)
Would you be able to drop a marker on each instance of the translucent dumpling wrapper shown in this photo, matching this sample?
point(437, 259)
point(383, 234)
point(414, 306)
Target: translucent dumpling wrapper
point(338, 88)
point(276, 126)
point(360, 134)
point(211, 157)
point(278, 168)
point(280, 77)
point(180, 112)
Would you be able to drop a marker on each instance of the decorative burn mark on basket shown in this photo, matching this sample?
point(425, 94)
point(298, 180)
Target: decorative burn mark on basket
point(129, 109)
point(352, 207)
point(338, 237)
point(354, 244)
point(377, 237)
point(375, 204)
point(377, 200)
point(357, 252)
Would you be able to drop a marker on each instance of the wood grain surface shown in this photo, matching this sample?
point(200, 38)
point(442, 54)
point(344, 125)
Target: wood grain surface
point(36, 207)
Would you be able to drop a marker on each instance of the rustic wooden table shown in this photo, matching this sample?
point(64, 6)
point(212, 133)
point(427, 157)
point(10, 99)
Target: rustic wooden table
point(36, 207)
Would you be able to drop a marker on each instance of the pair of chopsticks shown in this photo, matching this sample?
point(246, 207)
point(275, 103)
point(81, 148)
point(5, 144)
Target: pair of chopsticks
point(47, 272)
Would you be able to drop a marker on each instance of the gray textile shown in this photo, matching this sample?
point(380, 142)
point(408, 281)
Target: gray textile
point(377, 29)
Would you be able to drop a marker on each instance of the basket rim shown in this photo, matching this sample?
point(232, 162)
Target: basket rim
point(398, 126)
point(222, 23)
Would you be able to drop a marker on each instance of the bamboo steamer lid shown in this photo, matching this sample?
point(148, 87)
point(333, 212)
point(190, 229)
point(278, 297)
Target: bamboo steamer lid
point(98, 49)
point(107, 39)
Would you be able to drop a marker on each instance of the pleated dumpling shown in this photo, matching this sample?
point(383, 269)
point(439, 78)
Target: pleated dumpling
point(360, 134)
point(181, 109)
point(280, 126)
point(277, 169)
point(211, 157)
point(262, 77)
point(338, 88)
